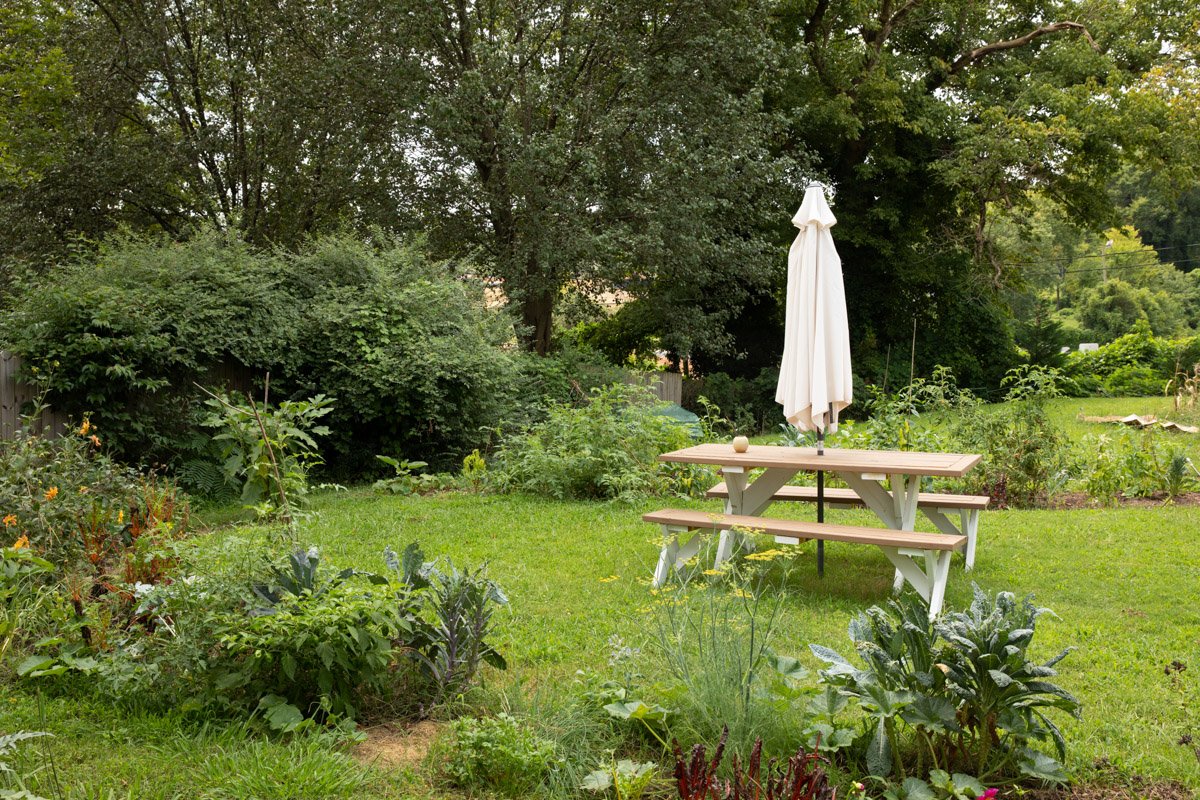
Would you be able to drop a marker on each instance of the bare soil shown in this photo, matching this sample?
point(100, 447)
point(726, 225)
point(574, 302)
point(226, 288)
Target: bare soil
point(1075, 500)
point(396, 746)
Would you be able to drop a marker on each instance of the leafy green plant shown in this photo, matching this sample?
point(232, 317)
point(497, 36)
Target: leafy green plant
point(607, 448)
point(269, 451)
point(19, 569)
point(407, 481)
point(626, 779)
point(1003, 696)
point(956, 694)
point(317, 651)
point(1022, 449)
point(496, 753)
point(456, 645)
point(474, 470)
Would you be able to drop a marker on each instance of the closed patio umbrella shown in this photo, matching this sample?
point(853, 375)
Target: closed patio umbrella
point(815, 382)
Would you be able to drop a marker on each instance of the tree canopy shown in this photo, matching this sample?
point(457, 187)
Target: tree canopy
point(655, 150)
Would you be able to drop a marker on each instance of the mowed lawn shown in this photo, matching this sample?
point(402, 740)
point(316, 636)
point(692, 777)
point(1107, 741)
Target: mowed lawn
point(1122, 582)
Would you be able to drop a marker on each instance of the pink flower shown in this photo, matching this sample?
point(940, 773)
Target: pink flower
point(988, 794)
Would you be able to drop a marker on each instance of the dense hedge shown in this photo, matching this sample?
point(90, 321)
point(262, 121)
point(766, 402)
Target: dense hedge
point(1137, 363)
point(416, 364)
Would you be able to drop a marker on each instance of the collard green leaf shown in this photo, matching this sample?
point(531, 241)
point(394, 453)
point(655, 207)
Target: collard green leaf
point(879, 752)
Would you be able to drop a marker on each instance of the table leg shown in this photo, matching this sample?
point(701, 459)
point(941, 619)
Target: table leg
point(750, 499)
point(735, 482)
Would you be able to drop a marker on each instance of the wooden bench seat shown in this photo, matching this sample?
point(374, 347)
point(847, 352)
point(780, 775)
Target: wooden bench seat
point(933, 505)
point(848, 497)
point(899, 546)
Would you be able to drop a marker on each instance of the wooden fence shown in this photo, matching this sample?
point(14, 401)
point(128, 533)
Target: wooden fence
point(17, 398)
point(667, 385)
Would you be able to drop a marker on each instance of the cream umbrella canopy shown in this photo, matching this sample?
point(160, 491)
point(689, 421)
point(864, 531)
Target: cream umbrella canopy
point(815, 382)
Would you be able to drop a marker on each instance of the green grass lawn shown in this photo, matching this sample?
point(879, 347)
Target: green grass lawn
point(1122, 582)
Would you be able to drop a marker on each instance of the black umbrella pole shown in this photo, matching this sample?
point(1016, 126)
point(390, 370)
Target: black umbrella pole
point(820, 504)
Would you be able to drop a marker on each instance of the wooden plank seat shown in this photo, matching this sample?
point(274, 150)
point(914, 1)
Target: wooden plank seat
point(934, 505)
point(901, 547)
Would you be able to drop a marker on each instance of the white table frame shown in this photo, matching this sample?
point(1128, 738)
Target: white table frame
point(896, 507)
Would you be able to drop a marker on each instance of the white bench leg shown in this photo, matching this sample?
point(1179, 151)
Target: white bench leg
point(929, 583)
point(668, 556)
point(968, 525)
point(939, 564)
point(675, 555)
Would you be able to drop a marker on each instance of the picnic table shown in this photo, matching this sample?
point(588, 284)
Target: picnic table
point(885, 481)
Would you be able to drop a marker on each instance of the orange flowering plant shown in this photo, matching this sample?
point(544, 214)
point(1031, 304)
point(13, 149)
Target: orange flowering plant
point(19, 568)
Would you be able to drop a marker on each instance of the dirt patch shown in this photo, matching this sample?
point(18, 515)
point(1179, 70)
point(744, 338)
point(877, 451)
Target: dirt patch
point(396, 746)
point(1068, 501)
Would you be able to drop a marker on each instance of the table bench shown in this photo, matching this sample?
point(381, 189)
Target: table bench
point(933, 505)
point(902, 547)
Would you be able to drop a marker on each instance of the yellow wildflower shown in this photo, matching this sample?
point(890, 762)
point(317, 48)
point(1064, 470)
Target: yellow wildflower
point(85, 427)
point(21, 543)
point(765, 555)
point(95, 440)
point(741, 593)
point(84, 490)
point(10, 520)
point(121, 517)
point(51, 493)
point(609, 579)
point(714, 572)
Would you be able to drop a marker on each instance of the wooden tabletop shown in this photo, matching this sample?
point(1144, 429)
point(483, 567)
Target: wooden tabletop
point(835, 459)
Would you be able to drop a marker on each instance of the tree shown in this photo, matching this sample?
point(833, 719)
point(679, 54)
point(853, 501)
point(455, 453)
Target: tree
point(274, 119)
point(611, 143)
point(926, 117)
point(34, 81)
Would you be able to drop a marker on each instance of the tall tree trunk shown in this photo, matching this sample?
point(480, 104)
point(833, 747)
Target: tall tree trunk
point(537, 311)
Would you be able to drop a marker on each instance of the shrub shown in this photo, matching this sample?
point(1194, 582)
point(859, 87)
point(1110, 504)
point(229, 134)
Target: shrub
point(317, 650)
point(1137, 363)
point(607, 448)
point(1022, 449)
point(1133, 380)
point(498, 753)
point(417, 363)
point(566, 377)
point(419, 367)
point(123, 333)
point(957, 694)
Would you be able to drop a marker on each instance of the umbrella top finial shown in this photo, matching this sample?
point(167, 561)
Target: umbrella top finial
point(814, 209)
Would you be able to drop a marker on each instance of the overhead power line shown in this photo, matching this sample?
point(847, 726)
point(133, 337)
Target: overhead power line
point(1108, 268)
point(1070, 259)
